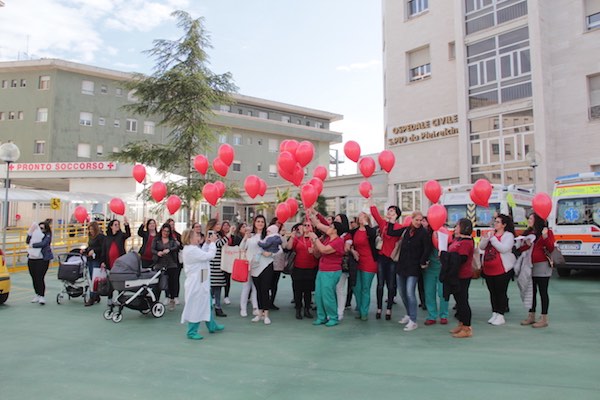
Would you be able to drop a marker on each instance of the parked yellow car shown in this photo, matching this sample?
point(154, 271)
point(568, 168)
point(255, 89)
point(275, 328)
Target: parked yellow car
point(4, 280)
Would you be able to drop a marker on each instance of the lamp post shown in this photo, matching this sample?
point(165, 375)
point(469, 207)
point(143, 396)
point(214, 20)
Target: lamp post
point(533, 163)
point(9, 153)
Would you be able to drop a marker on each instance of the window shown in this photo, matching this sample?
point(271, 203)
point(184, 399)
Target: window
point(85, 118)
point(149, 127)
point(249, 113)
point(131, 96)
point(249, 140)
point(594, 88)
point(39, 147)
point(13, 83)
point(2, 116)
point(483, 14)
point(237, 140)
point(23, 82)
point(44, 82)
point(224, 108)
point(307, 123)
point(417, 6)
point(99, 150)
point(452, 51)
point(83, 150)
point(115, 150)
point(101, 121)
point(131, 125)
point(11, 115)
point(236, 166)
point(419, 64)
point(259, 167)
point(263, 115)
point(119, 92)
point(4, 84)
point(319, 125)
point(285, 118)
point(273, 145)
point(222, 138)
point(103, 89)
point(240, 111)
point(259, 142)
point(20, 115)
point(409, 195)
point(592, 14)
point(42, 115)
point(87, 87)
point(272, 170)
point(117, 123)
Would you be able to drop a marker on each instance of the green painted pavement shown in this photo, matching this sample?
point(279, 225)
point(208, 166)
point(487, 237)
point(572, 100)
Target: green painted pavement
point(70, 352)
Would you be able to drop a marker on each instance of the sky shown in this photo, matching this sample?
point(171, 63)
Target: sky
point(322, 54)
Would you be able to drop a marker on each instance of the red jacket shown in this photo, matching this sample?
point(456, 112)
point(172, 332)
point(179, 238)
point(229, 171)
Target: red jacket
point(389, 242)
point(540, 247)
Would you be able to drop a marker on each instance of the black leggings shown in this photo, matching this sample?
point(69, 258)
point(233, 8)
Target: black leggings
point(274, 283)
point(303, 283)
point(263, 284)
point(173, 274)
point(498, 286)
point(37, 270)
point(463, 309)
point(227, 283)
point(386, 275)
point(541, 284)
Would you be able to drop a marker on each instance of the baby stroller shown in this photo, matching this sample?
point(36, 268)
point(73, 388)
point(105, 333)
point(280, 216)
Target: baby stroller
point(73, 272)
point(135, 286)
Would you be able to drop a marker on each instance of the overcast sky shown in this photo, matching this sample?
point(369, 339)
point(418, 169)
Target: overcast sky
point(323, 54)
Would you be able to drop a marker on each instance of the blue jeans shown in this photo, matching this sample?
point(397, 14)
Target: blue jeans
point(407, 286)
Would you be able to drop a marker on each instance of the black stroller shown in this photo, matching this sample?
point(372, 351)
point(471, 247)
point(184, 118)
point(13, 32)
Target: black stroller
point(74, 275)
point(136, 287)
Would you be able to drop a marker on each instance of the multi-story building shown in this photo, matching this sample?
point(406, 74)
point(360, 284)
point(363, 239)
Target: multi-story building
point(508, 90)
point(58, 111)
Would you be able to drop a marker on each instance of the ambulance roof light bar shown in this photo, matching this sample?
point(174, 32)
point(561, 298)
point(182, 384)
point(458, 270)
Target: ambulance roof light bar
point(584, 176)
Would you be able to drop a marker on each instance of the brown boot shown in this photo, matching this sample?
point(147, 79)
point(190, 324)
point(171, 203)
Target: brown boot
point(530, 320)
point(458, 328)
point(465, 332)
point(542, 323)
point(90, 302)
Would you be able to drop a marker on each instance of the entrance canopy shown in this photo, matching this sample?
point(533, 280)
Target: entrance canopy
point(44, 196)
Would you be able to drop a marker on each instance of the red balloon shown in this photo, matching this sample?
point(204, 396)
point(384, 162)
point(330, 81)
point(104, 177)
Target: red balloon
point(542, 205)
point(288, 176)
point(481, 192)
point(81, 214)
point(352, 150)
point(437, 216)
point(321, 173)
point(220, 188)
point(291, 146)
point(318, 184)
point(286, 161)
point(293, 205)
point(433, 191)
point(226, 154)
point(220, 167)
point(117, 206)
point(173, 203)
point(263, 188)
point(298, 176)
point(365, 188)
point(282, 145)
point(282, 212)
point(386, 160)
point(201, 164)
point(309, 195)
point(158, 190)
point(210, 193)
point(252, 185)
point(139, 173)
point(305, 153)
point(366, 166)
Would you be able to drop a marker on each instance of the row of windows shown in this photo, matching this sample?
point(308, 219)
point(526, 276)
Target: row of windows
point(265, 115)
point(131, 125)
point(43, 83)
point(83, 149)
point(11, 115)
point(89, 87)
point(483, 14)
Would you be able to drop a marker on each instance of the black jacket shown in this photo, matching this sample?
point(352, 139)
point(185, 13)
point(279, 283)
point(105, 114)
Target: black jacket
point(146, 241)
point(119, 239)
point(96, 244)
point(414, 250)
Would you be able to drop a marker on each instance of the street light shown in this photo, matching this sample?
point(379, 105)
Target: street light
point(9, 153)
point(532, 159)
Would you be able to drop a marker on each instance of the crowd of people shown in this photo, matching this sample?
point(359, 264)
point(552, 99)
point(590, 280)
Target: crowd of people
point(331, 260)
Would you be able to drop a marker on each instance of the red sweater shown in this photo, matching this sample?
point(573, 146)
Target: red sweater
point(538, 254)
point(389, 242)
point(304, 259)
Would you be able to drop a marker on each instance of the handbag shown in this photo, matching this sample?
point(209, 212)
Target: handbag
point(240, 269)
point(555, 258)
point(228, 256)
point(289, 263)
point(101, 283)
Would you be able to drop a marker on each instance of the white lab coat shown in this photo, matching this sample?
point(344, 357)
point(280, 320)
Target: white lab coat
point(196, 264)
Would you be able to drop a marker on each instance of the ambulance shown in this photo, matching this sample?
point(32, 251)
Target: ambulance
point(575, 220)
point(4, 280)
point(509, 200)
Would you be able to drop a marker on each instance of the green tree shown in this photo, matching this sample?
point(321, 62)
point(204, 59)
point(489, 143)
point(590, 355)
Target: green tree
point(181, 92)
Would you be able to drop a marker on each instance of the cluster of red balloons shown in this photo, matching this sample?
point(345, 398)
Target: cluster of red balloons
point(437, 214)
point(212, 192)
point(286, 210)
point(255, 186)
point(293, 157)
point(366, 165)
point(158, 191)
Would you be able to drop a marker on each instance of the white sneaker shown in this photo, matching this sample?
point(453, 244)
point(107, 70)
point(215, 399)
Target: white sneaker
point(340, 317)
point(499, 320)
point(267, 321)
point(42, 300)
point(255, 312)
point(243, 313)
point(411, 326)
point(491, 320)
point(176, 301)
point(36, 299)
point(404, 320)
point(226, 300)
point(256, 319)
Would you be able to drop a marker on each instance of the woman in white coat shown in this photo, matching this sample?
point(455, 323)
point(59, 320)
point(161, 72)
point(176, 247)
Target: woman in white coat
point(196, 264)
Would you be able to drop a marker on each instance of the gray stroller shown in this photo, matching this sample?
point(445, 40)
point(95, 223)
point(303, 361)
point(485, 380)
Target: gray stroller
point(136, 287)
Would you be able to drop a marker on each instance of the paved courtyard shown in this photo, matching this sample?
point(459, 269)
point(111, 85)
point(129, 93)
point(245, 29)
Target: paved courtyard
point(70, 352)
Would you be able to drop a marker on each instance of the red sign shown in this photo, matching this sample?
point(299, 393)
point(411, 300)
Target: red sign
point(64, 166)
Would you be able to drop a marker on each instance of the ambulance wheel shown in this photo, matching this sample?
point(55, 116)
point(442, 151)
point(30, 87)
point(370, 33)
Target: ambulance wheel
point(118, 317)
point(108, 314)
point(158, 310)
